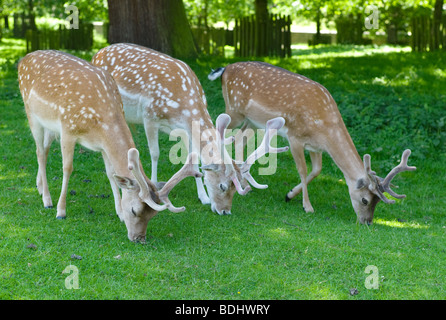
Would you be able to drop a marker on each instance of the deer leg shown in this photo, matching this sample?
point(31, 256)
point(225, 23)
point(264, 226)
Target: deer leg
point(43, 142)
point(115, 188)
point(194, 146)
point(48, 138)
point(202, 194)
point(152, 139)
point(67, 144)
point(297, 150)
point(316, 164)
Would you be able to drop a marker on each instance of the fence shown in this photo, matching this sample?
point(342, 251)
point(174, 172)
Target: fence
point(269, 38)
point(349, 29)
point(425, 37)
point(22, 22)
point(74, 39)
point(210, 40)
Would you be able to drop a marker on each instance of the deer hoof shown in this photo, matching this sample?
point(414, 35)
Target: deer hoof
point(309, 209)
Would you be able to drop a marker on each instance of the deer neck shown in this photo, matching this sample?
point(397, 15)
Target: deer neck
point(116, 146)
point(344, 154)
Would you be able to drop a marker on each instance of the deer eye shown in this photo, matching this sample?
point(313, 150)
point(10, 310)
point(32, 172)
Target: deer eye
point(223, 187)
point(365, 201)
point(133, 211)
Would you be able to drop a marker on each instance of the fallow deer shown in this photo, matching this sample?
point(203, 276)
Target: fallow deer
point(163, 93)
point(255, 92)
point(67, 97)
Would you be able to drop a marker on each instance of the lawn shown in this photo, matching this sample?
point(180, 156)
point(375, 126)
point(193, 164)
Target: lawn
point(390, 99)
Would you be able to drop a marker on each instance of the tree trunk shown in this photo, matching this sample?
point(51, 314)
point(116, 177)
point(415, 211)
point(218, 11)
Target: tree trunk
point(158, 24)
point(317, 39)
point(31, 16)
point(438, 11)
point(205, 14)
point(261, 9)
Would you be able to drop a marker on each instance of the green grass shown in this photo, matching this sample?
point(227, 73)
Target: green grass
point(267, 249)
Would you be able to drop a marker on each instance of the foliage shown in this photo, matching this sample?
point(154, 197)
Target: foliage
point(267, 249)
point(89, 10)
point(217, 10)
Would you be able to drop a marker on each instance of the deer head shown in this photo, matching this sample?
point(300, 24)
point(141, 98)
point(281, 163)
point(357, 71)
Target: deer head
point(371, 189)
point(236, 177)
point(141, 201)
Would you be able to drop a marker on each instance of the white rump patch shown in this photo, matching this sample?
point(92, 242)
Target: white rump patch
point(215, 74)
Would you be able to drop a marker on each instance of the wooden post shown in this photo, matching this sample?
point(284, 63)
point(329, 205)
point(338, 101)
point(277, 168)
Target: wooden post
point(272, 37)
point(236, 38)
point(288, 36)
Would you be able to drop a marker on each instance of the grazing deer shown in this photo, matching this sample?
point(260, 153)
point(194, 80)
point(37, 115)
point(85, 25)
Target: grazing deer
point(69, 98)
point(163, 93)
point(255, 92)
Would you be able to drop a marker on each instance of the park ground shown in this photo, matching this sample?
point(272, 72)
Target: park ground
point(390, 98)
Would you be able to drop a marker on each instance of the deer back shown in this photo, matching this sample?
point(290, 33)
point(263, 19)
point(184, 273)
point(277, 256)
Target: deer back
point(65, 93)
point(154, 85)
point(261, 91)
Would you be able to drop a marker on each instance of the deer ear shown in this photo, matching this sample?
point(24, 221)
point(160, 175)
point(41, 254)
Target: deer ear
point(125, 183)
point(361, 183)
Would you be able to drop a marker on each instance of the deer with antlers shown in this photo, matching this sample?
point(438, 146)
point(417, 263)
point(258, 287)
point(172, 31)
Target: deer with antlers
point(67, 97)
point(163, 93)
point(255, 91)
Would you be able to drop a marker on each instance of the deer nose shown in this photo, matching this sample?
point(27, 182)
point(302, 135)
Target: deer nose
point(137, 238)
point(226, 212)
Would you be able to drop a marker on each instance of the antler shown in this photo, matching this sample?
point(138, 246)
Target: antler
point(144, 193)
point(221, 124)
point(380, 185)
point(186, 171)
point(272, 126)
point(385, 183)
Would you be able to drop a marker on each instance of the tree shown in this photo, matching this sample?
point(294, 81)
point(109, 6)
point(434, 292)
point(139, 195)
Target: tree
point(201, 12)
point(89, 10)
point(262, 16)
point(438, 12)
point(158, 24)
point(313, 10)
